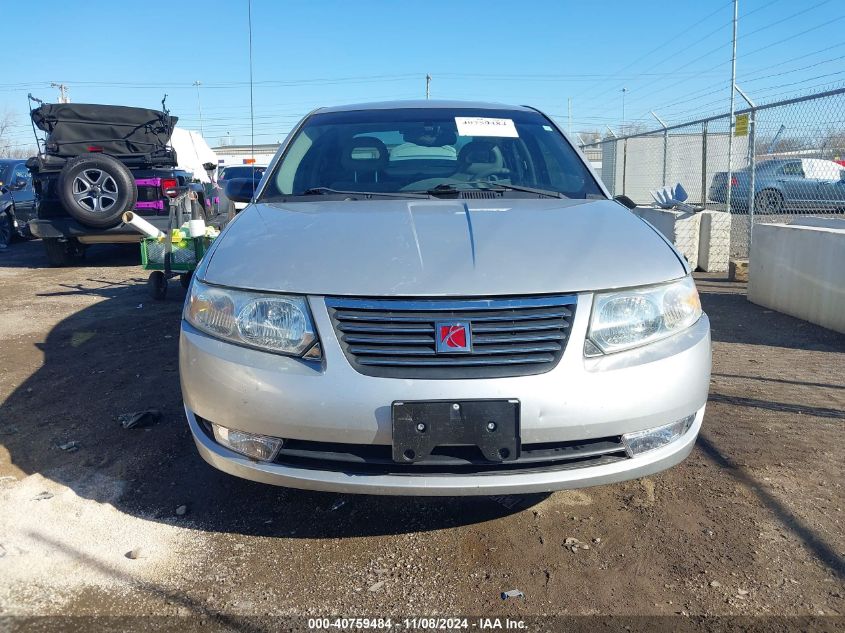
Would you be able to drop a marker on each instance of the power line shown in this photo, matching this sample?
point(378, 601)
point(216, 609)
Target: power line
point(690, 45)
point(746, 54)
point(663, 44)
point(747, 79)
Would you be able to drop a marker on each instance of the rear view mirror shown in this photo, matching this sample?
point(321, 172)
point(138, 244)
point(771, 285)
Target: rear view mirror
point(240, 189)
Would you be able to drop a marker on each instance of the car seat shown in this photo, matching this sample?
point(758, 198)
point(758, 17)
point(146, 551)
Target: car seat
point(478, 159)
point(362, 159)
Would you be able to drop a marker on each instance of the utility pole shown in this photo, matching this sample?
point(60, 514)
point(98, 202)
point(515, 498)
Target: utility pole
point(427, 86)
point(622, 128)
point(731, 120)
point(199, 104)
point(569, 109)
point(63, 97)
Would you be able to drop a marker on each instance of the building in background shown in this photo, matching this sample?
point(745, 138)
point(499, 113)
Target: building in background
point(241, 154)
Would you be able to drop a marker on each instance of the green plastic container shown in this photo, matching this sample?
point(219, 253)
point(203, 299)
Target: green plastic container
point(183, 259)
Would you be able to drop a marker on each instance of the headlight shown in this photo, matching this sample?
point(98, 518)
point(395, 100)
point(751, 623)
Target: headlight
point(630, 318)
point(275, 323)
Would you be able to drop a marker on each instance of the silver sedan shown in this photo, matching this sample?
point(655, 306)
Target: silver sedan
point(440, 298)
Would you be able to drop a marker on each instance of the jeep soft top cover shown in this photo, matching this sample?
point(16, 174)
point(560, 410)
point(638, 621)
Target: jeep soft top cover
point(77, 128)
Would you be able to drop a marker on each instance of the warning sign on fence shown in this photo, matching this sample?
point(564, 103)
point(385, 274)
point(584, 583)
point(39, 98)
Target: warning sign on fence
point(741, 125)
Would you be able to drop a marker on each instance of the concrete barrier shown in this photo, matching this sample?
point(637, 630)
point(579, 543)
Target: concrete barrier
point(800, 270)
point(714, 241)
point(678, 227)
point(704, 238)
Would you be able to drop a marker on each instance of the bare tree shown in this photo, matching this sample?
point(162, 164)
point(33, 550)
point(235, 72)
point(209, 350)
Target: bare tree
point(9, 147)
point(591, 136)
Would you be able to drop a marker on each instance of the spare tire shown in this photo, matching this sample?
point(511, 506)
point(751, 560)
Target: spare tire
point(96, 189)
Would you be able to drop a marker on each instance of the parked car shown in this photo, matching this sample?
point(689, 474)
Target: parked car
point(98, 162)
point(227, 173)
point(785, 185)
point(17, 200)
point(485, 320)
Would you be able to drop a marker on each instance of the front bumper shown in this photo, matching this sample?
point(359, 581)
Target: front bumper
point(443, 485)
point(579, 399)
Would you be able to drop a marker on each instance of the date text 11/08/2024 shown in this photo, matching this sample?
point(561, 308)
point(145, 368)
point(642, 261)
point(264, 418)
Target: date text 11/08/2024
point(440, 624)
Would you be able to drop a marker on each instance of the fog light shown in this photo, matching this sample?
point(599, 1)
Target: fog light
point(259, 447)
point(643, 441)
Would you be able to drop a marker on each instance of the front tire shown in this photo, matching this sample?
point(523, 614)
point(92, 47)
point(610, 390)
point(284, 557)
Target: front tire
point(7, 229)
point(768, 202)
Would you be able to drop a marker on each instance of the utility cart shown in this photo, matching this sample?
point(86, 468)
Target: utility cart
point(176, 253)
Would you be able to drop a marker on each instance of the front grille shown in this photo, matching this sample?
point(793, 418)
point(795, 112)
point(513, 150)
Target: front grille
point(395, 338)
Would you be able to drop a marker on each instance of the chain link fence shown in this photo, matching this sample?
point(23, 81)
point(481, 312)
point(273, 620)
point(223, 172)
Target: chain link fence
point(778, 162)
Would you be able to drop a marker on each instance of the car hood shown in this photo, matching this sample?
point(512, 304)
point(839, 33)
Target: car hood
point(440, 248)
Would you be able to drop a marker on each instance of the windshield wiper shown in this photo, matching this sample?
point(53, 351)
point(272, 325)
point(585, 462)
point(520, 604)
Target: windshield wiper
point(449, 188)
point(325, 191)
point(551, 193)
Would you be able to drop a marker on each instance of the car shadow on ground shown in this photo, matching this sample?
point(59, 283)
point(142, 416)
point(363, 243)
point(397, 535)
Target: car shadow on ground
point(30, 254)
point(736, 320)
point(121, 355)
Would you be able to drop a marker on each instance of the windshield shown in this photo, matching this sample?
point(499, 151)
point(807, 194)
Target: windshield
point(419, 149)
point(241, 171)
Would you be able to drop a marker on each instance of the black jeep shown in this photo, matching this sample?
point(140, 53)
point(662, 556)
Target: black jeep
point(99, 161)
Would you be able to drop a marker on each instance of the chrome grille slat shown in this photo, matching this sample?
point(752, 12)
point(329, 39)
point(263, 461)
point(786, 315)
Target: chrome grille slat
point(464, 361)
point(422, 317)
point(478, 350)
point(392, 339)
point(387, 329)
point(396, 337)
point(480, 339)
point(520, 327)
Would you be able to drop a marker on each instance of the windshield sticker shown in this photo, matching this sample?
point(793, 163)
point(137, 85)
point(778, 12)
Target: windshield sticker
point(482, 126)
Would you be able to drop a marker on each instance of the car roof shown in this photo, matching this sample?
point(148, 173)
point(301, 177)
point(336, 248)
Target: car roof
point(423, 104)
point(793, 159)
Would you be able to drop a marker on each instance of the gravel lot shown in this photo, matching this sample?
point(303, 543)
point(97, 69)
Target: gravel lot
point(752, 524)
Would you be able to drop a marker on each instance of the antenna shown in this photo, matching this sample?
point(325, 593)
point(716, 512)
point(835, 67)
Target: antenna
point(251, 106)
point(198, 83)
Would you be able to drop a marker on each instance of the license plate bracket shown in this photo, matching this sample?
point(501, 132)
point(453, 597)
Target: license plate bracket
point(421, 426)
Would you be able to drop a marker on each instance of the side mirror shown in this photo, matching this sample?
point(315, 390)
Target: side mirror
point(240, 189)
point(625, 201)
point(19, 184)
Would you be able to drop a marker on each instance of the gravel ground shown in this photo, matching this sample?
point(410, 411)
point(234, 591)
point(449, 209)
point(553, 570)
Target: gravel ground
point(91, 523)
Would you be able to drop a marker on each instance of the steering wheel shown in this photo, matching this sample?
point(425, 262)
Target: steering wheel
point(493, 174)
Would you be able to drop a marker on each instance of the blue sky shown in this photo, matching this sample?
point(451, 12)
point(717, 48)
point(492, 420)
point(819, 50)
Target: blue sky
point(672, 57)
